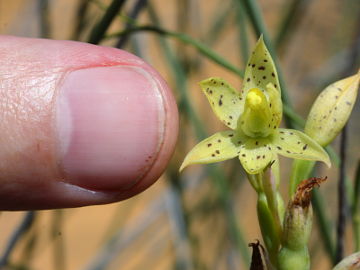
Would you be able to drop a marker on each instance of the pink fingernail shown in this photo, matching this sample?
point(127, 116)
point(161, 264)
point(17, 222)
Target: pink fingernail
point(110, 123)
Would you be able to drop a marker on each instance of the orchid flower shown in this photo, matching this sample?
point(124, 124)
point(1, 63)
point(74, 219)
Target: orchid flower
point(253, 115)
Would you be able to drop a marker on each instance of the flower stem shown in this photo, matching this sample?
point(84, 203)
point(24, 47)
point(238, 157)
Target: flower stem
point(269, 211)
point(356, 209)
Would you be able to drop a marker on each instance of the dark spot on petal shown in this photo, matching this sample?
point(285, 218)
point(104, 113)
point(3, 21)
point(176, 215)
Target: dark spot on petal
point(278, 147)
point(230, 135)
point(239, 142)
point(209, 144)
point(256, 143)
point(282, 132)
point(336, 97)
point(282, 138)
point(222, 83)
point(228, 123)
point(253, 65)
point(264, 77)
point(348, 103)
point(220, 102)
point(257, 157)
point(269, 147)
point(305, 146)
point(272, 74)
point(287, 151)
point(291, 133)
point(298, 142)
point(213, 155)
point(219, 141)
point(263, 156)
point(243, 155)
point(211, 92)
point(217, 152)
point(261, 68)
point(265, 60)
point(275, 85)
point(230, 117)
point(248, 79)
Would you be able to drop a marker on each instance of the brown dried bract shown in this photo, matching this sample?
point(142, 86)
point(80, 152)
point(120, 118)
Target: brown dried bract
point(256, 258)
point(303, 191)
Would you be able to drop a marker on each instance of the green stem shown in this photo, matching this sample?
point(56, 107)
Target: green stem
point(268, 212)
point(202, 48)
point(272, 196)
point(99, 30)
point(243, 36)
point(295, 11)
point(255, 181)
point(356, 209)
point(59, 245)
point(268, 228)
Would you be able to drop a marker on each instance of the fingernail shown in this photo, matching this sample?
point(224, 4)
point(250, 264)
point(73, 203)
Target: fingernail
point(110, 125)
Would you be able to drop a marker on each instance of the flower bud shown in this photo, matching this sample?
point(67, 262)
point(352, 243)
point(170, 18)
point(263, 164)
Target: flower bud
point(332, 109)
point(351, 262)
point(297, 228)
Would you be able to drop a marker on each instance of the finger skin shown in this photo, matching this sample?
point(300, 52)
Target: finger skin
point(31, 171)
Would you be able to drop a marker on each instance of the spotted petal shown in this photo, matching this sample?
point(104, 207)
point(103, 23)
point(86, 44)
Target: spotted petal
point(296, 144)
point(332, 109)
point(219, 147)
point(225, 101)
point(275, 104)
point(260, 70)
point(255, 155)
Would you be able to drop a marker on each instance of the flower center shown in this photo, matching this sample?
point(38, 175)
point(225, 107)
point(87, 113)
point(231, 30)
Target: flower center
point(256, 118)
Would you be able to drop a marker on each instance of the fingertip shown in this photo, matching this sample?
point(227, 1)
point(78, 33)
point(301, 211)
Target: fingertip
point(117, 127)
point(88, 124)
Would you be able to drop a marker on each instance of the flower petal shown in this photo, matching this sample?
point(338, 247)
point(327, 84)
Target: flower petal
point(275, 104)
point(260, 70)
point(225, 101)
point(296, 144)
point(255, 155)
point(332, 109)
point(219, 147)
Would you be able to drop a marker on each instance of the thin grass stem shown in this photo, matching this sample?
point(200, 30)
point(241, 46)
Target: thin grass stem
point(342, 202)
point(356, 209)
point(202, 48)
point(17, 235)
point(100, 29)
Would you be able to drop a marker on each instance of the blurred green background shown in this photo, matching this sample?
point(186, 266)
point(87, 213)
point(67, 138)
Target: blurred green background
point(205, 217)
